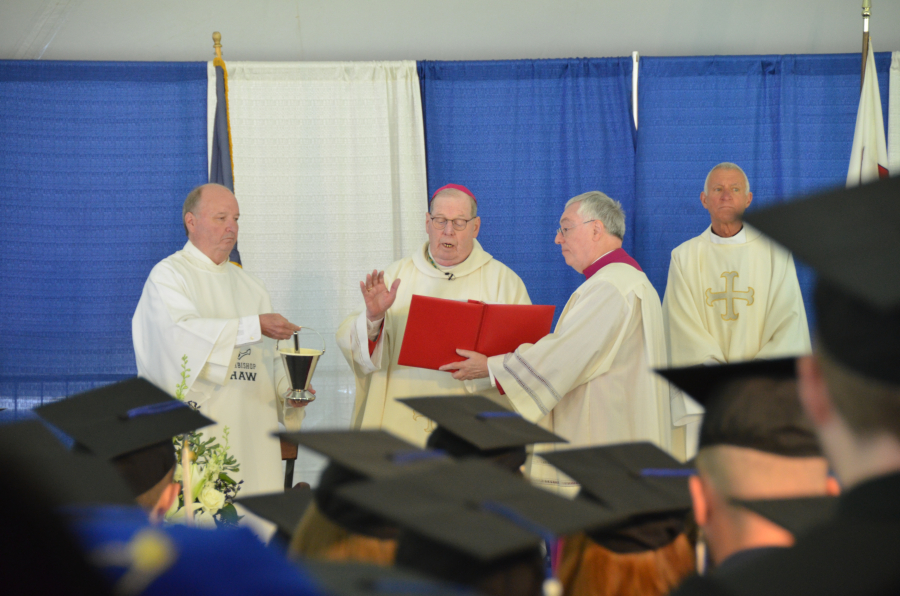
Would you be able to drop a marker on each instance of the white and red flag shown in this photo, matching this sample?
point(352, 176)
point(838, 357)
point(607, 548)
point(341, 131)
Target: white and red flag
point(868, 158)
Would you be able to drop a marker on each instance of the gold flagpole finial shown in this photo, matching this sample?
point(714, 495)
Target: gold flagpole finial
point(217, 43)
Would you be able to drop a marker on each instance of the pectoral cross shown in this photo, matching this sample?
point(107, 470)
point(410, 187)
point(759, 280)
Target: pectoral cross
point(729, 296)
point(429, 427)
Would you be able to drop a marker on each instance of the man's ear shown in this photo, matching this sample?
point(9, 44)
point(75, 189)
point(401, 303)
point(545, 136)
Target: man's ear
point(698, 497)
point(814, 395)
point(190, 220)
point(477, 223)
point(168, 496)
point(749, 198)
point(832, 486)
point(703, 200)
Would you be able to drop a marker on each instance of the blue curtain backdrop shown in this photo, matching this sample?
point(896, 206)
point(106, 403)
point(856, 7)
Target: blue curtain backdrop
point(96, 159)
point(525, 136)
point(787, 120)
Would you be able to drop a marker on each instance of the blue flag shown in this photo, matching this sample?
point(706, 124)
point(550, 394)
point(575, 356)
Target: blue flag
point(220, 170)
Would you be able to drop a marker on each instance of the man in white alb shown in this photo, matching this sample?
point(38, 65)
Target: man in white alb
point(732, 294)
point(450, 265)
point(591, 380)
point(198, 304)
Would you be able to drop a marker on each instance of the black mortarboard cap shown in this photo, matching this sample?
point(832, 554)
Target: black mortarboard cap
point(370, 453)
point(475, 508)
point(628, 479)
point(121, 418)
point(750, 404)
point(362, 579)
point(704, 383)
point(62, 477)
point(284, 508)
point(796, 515)
point(644, 488)
point(851, 237)
point(481, 422)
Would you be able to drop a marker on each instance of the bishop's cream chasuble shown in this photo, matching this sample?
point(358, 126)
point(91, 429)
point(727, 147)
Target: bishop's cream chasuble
point(380, 381)
point(192, 307)
point(729, 300)
point(591, 380)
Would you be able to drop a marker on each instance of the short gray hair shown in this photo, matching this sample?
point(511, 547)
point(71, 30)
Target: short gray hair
point(727, 165)
point(190, 205)
point(596, 205)
point(453, 191)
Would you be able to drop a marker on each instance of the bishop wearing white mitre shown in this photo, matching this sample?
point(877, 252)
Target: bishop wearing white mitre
point(452, 265)
point(591, 381)
point(196, 303)
point(732, 294)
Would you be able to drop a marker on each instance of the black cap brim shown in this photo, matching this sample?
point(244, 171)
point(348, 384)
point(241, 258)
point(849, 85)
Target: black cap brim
point(474, 507)
point(62, 477)
point(481, 422)
point(629, 479)
point(797, 515)
point(284, 508)
point(371, 453)
point(851, 237)
point(704, 382)
point(108, 422)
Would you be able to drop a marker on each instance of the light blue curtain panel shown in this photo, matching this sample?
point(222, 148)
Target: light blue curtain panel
point(525, 136)
point(788, 121)
point(96, 159)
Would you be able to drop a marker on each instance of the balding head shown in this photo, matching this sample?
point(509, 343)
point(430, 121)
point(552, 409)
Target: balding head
point(210, 215)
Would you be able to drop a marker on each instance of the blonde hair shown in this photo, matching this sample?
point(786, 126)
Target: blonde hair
point(317, 537)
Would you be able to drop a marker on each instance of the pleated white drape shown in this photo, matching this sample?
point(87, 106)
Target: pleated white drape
point(329, 170)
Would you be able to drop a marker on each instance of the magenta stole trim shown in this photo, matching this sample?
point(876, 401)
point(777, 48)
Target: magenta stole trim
point(616, 256)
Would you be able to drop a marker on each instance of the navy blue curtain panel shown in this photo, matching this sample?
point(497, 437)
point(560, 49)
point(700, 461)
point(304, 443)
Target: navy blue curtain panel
point(525, 136)
point(788, 121)
point(96, 160)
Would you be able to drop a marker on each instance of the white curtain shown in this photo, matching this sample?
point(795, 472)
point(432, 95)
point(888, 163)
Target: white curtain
point(893, 140)
point(329, 171)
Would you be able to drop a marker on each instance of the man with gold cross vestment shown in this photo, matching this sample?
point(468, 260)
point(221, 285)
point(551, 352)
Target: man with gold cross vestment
point(732, 295)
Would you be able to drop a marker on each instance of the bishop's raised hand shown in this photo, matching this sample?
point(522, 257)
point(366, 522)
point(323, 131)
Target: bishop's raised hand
point(376, 294)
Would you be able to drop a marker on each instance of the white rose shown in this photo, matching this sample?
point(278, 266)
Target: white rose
point(211, 499)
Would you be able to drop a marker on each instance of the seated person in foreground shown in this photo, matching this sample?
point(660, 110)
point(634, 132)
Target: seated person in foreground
point(335, 529)
point(645, 548)
point(755, 443)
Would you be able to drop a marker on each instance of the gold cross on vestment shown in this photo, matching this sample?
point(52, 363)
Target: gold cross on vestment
point(729, 296)
point(429, 426)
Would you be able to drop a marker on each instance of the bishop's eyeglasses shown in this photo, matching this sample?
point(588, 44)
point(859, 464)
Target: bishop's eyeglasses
point(563, 231)
point(441, 222)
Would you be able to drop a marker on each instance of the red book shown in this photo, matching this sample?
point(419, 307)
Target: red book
point(436, 328)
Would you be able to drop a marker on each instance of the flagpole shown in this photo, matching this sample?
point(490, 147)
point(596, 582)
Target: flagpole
point(866, 13)
point(217, 40)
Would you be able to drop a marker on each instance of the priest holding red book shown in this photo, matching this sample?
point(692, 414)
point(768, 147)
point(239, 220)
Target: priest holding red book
point(451, 265)
point(591, 381)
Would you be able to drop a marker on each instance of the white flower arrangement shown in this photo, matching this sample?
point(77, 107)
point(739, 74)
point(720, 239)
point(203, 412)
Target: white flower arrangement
point(212, 489)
